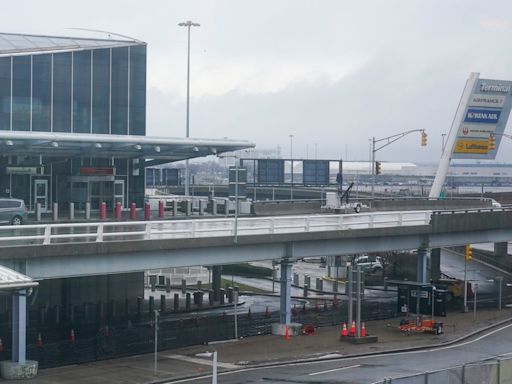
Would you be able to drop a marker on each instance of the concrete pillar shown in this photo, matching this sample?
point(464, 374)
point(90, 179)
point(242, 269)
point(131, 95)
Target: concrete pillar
point(187, 301)
point(38, 212)
point(175, 207)
point(435, 264)
point(162, 303)
point(183, 286)
point(319, 284)
point(55, 211)
point(306, 289)
point(87, 210)
point(214, 207)
point(71, 211)
point(210, 297)
point(151, 304)
point(216, 281)
point(285, 307)
point(501, 249)
point(222, 295)
point(19, 327)
point(421, 265)
point(202, 206)
point(189, 207)
point(167, 285)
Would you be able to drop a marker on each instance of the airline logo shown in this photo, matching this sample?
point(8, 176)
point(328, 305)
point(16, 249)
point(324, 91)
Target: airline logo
point(480, 147)
point(487, 116)
point(476, 131)
point(502, 88)
point(481, 100)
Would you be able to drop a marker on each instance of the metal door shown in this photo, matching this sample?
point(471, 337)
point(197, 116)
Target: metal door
point(41, 194)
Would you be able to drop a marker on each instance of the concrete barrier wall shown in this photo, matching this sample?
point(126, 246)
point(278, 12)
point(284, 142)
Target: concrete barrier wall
point(262, 208)
point(406, 205)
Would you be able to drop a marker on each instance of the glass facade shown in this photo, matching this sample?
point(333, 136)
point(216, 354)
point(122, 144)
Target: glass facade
point(100, 90)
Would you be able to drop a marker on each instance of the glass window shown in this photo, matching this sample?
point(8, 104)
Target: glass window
point(100, 90)
point(21, 93)
point(119, 118)
point(138, 90)
point(82, 92)
point(62, 92)
point(5, 93)
point(41, 92)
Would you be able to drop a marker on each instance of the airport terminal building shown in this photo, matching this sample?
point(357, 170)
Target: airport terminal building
point(73, 122)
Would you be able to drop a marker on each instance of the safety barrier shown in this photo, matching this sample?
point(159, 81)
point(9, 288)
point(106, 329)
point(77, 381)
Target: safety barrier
point(179, 229)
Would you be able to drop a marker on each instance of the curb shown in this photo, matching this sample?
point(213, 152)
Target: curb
point(349, 356)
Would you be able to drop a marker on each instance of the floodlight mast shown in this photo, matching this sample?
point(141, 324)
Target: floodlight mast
point(444, 163)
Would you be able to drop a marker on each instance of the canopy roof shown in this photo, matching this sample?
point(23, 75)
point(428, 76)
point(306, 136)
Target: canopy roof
point(13, 44)
point(10, 279)
point(17, 143)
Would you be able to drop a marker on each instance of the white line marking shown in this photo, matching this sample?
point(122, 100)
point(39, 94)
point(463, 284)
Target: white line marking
point(334, 370)
point(320, 361)
point(197, 360)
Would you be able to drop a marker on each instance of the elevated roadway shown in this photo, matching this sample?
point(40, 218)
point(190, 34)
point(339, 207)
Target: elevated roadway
point(67, 250)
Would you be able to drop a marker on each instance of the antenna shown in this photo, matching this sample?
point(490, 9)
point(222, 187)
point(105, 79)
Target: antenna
point(108, 33)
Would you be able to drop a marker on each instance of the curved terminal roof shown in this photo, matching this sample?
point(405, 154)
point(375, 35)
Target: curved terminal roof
point(15, 44)
point(18, 143)
point(10, 279)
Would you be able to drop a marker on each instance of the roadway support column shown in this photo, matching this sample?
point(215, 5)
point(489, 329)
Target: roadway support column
point(285, 325)
point(421, 276)
point(501, 249)
point(19, 367)
point(435, 264)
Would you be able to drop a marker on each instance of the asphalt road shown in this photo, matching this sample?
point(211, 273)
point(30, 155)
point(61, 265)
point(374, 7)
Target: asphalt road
point(373, 369)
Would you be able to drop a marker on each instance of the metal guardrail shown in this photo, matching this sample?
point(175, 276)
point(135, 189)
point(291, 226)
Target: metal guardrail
point(45, 234)
point(505, 208)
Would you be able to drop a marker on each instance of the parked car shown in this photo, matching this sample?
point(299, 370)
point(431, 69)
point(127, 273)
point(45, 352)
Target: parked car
point(12, 211)
point(369, 263)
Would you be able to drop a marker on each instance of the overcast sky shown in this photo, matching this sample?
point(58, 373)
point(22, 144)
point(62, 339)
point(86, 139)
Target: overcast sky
point(329, 72)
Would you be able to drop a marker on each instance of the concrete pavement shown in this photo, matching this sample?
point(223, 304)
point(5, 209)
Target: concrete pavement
point(268, 349)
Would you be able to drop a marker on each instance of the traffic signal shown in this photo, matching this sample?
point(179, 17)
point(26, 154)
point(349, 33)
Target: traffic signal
point(377, 168)
point(492, 143)
point(423, 139)
point(469, 253)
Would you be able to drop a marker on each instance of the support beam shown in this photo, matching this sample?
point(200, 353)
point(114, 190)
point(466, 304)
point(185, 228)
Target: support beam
point(19, 327)
point(286, 292)
point(421, 266)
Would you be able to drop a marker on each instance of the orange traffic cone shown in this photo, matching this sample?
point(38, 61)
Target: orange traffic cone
point(1, 346)
point(72, 335)
point(344, 332)
point(286, 333)
point(363, 330)
point(353, 328)
point(39, 340)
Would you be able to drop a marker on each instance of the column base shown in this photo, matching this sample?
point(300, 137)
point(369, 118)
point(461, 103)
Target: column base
point(11, 370)
point(294, 329)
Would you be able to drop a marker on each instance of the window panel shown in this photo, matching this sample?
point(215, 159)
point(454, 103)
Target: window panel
point(5, 93)
point(21, 93)
point(100, 91)
point(41, 93)
point(138, 90)
point(62, 92)
point(119, 119)
point(82, 92)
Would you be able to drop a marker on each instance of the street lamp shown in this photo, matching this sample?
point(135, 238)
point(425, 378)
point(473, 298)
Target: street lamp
point(291, 165)
point(188, 24)
point(214, 365)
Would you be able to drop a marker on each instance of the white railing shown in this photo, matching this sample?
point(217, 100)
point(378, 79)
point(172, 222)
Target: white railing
point(45, 234)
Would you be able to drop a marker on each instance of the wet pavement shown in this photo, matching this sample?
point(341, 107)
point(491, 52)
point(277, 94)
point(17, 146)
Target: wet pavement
point(253, 351)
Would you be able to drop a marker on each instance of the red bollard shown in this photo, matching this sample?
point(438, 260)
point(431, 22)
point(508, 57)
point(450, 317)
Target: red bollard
point(147, 211)
point(117, 210)
point(133, 211)
point(161, 205)
point(103, 211)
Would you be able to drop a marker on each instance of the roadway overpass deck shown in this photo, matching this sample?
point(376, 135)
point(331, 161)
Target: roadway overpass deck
point(67, 250)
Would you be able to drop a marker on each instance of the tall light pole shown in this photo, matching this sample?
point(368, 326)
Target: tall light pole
point(291, 146)
point(188, 24)
point(291, 165)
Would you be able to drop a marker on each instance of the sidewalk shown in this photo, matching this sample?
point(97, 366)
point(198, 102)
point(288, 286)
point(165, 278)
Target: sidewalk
point(267, 349)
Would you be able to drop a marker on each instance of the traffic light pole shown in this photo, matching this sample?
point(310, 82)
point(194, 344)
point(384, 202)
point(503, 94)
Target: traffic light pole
point(465, 284)
point(387, 141)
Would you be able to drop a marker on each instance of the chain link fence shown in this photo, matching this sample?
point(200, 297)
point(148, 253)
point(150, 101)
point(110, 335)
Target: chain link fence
point(485, 372)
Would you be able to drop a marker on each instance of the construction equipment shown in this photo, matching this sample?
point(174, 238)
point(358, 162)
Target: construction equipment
point(420, 325)
point(339, 201)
